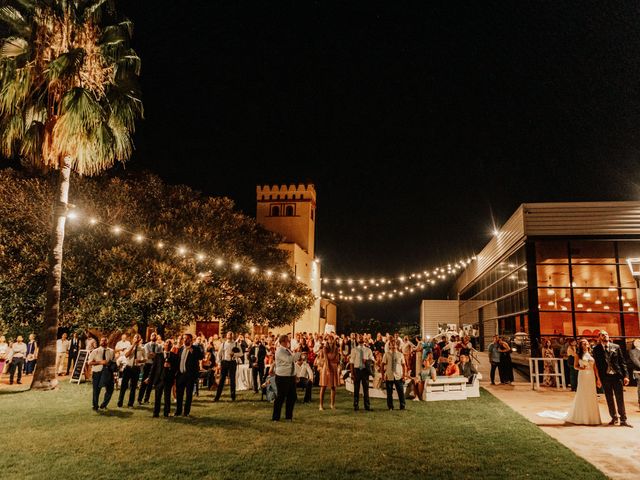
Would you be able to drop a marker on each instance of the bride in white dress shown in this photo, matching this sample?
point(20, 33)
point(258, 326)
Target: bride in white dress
point(585, 410)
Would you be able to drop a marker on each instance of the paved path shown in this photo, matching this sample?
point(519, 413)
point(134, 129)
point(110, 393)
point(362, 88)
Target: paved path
point(613, 450)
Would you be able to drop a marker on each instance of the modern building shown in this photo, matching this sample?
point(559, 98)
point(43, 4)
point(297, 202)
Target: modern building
point(555, 269)
point(290, 210)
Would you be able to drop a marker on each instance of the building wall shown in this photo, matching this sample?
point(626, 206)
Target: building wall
point(435, 312)
point(329, 320)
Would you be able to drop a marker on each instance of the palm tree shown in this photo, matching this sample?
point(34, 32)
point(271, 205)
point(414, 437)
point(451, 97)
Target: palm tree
point(68, 101)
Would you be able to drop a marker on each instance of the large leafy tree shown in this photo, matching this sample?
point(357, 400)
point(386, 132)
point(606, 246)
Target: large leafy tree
point(114, 281)
point(68, 102)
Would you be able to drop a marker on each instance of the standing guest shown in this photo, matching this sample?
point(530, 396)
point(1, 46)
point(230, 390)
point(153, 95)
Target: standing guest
point(62, 347)
point(378, 345)
point(613, 377)
point(161, 378)
point(328, 363)
point(151, 348)
point(257, 354)
point(395, 371)
point(494, 359)
point(135, 357)
point(123, 345)
point(74, 348)
point(4, 353)
point(32, 355)
point(101, 374)
point(304, 374)
point(90, 346)
point(189, 357)
point(505, 362)
point(358, 359)
point(571, 360)
point(18, 354)
point(634, 356)
point(227, 367)
point(209, 364)
point(285, 380)
point(549, 365)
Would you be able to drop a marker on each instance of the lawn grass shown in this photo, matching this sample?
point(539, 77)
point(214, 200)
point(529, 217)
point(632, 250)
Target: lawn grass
point(53, 435)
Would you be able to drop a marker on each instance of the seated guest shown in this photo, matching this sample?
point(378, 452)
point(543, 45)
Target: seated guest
point(467, 369)
point(452, 369)
point(427, 373)
point(269, 386)
point(304, 374)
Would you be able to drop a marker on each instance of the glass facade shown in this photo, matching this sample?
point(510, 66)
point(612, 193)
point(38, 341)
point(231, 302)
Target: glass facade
point(569, 287)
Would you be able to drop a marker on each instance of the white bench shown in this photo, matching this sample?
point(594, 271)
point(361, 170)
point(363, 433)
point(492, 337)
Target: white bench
point(445, 388)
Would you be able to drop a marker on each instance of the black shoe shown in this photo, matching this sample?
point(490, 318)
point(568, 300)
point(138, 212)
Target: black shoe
point(216, 399)
point(625, 424)
point(401, 408)
point(10, 382)
point(95, 408)
point(391, 408)
point(613, 421)
point(493, 383)
point(165, 416)
point(355, 409)
point(119, 404)
point(103, 407)
point(156, 416)
point(368, 409)
point(19, 382)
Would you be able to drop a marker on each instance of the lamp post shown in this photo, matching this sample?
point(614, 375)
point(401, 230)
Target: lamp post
point(634, 267)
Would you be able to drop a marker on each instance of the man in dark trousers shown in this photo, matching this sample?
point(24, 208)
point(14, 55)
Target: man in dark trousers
point(131, 374)
point(74, 348)
point(102, 376)
point(613, 373)
point(161, 378)
point(257, 354)
point(189, 357)
point(360, 354)
point(228, 356)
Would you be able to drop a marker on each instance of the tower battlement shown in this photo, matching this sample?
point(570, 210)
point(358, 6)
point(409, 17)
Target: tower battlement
point(286, 192)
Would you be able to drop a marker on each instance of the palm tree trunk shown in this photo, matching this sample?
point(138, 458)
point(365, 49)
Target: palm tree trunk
point(45, 376)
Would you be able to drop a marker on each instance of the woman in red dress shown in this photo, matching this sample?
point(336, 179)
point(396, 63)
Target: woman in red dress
point(328, 361)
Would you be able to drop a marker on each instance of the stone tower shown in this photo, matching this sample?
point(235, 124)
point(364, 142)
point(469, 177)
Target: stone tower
point(289, 210)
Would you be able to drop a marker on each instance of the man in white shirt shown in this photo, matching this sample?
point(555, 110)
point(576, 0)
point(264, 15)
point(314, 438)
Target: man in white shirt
point(150, 349)
point(304, 375)
point(18, 354)
point(285, 380)
point(135, 357)
point(123, 345)
point(101, 376)
point(62, 347)
point(360, 373)
point(229, 352)
point(394, 374)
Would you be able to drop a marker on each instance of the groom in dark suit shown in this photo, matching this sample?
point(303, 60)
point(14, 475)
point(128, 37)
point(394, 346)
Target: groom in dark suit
point(161, 378)
point(613, 373)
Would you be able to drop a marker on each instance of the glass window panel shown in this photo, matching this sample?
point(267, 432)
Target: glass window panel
point(586, 252)
point(629, 300)
point(628, 249)
point(556, 323)
point(626, 279)
point(556, 275)
point(590, 324)
point(554, 299)
point(596, 299)
point(522, 277)
point(631, 325)
point(522, 256)
point(551, 252)
point(585, 276)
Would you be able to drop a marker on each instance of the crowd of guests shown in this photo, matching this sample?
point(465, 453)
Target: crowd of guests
point(177, 368)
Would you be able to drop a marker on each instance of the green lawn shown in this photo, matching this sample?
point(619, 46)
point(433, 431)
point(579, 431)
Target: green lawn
point(55, 435)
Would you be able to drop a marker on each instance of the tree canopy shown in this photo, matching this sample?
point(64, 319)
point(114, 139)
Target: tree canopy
point(112, 281)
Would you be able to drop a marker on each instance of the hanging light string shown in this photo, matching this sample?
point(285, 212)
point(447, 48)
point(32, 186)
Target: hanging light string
point(185, 252)
point(388, 288)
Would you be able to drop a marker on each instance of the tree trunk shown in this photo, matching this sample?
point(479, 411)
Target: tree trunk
point(45, 376)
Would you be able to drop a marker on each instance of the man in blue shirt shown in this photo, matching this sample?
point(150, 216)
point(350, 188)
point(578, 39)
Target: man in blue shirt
point(494, 357)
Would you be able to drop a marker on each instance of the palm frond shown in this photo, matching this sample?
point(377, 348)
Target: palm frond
point(32, 141)
point(129, 63)
point(93, 9)
point(14, 47)
point(80, 112)
point(11, 134)
point(15, 90)
point(66, 65)
point(11, 17)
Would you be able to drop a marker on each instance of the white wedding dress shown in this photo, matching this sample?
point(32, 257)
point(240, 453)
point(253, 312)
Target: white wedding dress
point(585, 410)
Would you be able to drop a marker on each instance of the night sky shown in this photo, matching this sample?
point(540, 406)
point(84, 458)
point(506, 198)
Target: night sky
point(417, 121)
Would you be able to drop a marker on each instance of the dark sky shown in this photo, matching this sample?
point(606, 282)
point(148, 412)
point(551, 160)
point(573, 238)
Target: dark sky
point(415, 120)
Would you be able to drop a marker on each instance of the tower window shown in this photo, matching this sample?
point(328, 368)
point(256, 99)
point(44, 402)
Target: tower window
point(288, 211)
point(275, 211)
